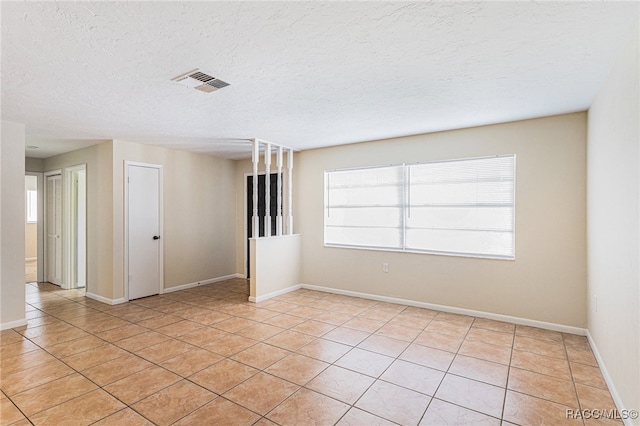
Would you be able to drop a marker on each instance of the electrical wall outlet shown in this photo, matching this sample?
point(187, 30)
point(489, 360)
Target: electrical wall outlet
point(385, 267)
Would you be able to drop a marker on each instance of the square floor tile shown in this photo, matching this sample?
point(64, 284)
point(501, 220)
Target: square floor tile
point(290, 340)
point(306, 407)
point(314, 328)
point(383, 345)
point(261, 393)
point(527, 410)
point(164, 351)
point(588, 375)
point(298, 369)
point(9, 413)
point(556, 367)
point(324, 350)
point(478, 396)
point(220, 412)
point(428, 357)
point(191, 361)
point(224, 375)
point(486, 351)
point(53, 393)
point(357, 417)
point(540, 347)
point(481, 370)
point(260, 331)
point(443, 413)
point(126, 417)
point(19, 381)
point(139, 385)
point(260, 355)
point(116, 369)
point(230, 344)
point(347, 336)
point(84, 409)
point(440, 341)
point(543, 386)
point(490, 336)
point(341, 384)
point(394, 403)
point(365, 362)
point(172, 403)
point(413, 376)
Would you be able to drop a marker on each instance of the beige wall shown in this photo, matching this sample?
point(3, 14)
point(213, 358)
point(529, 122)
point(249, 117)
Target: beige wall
point(99, 211)
point(31, 241)
point(34, 164)
point(613, 224)
point(199, 215)
point(12, 231)
point(547, 280)
point(276, 265)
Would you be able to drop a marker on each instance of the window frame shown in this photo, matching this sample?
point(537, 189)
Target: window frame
point(406, 207)
point(32, 206)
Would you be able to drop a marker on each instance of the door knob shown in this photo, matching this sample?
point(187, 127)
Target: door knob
point(156, 237)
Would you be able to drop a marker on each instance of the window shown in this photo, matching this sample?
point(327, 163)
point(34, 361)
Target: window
point(456, 207)
point(32, 206)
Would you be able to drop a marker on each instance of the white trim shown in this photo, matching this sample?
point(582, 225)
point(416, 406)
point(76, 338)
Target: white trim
point(13, 324)
point(160, 168)
point(462, 311)
point(70, 266)
point(105, 299)
point(199, 283)
point(275, 293)
point(607, 378)
point(29, 259)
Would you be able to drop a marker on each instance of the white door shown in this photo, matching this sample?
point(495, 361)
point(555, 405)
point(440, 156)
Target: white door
point(143, 223)
point(54, 229)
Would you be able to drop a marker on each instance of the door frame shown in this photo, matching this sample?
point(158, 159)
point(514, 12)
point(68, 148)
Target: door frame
point(127, 164)
point(45, 233)
point(40, 226)
point(69, 218)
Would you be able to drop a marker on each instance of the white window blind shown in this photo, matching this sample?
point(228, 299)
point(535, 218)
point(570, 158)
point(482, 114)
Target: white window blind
point(457, 207)
point(365, 207)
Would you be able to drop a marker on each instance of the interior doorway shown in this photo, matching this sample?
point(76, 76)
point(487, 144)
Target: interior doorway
point(31, 229)
point(261, 210)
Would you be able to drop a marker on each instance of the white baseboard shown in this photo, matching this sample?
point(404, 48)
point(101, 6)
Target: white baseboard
point(274, 293)
point(203, 282)
point(607, 378)
point(13, 324)
point(453, 310)
point(105, 299)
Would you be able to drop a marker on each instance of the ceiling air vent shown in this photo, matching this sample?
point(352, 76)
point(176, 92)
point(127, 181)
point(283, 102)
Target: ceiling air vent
point(200, 81)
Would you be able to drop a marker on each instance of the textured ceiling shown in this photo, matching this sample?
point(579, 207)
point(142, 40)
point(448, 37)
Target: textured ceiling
point(302, 74)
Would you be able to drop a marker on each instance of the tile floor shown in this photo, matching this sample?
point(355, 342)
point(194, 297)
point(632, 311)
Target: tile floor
point(206, 356)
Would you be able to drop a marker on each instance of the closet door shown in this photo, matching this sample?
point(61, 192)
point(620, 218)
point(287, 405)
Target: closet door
point(54, 229)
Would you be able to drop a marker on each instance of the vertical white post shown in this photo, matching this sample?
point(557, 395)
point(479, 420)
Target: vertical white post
point(290, 192)
point(267, 190)
point(279, 205)
point(256, 159)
